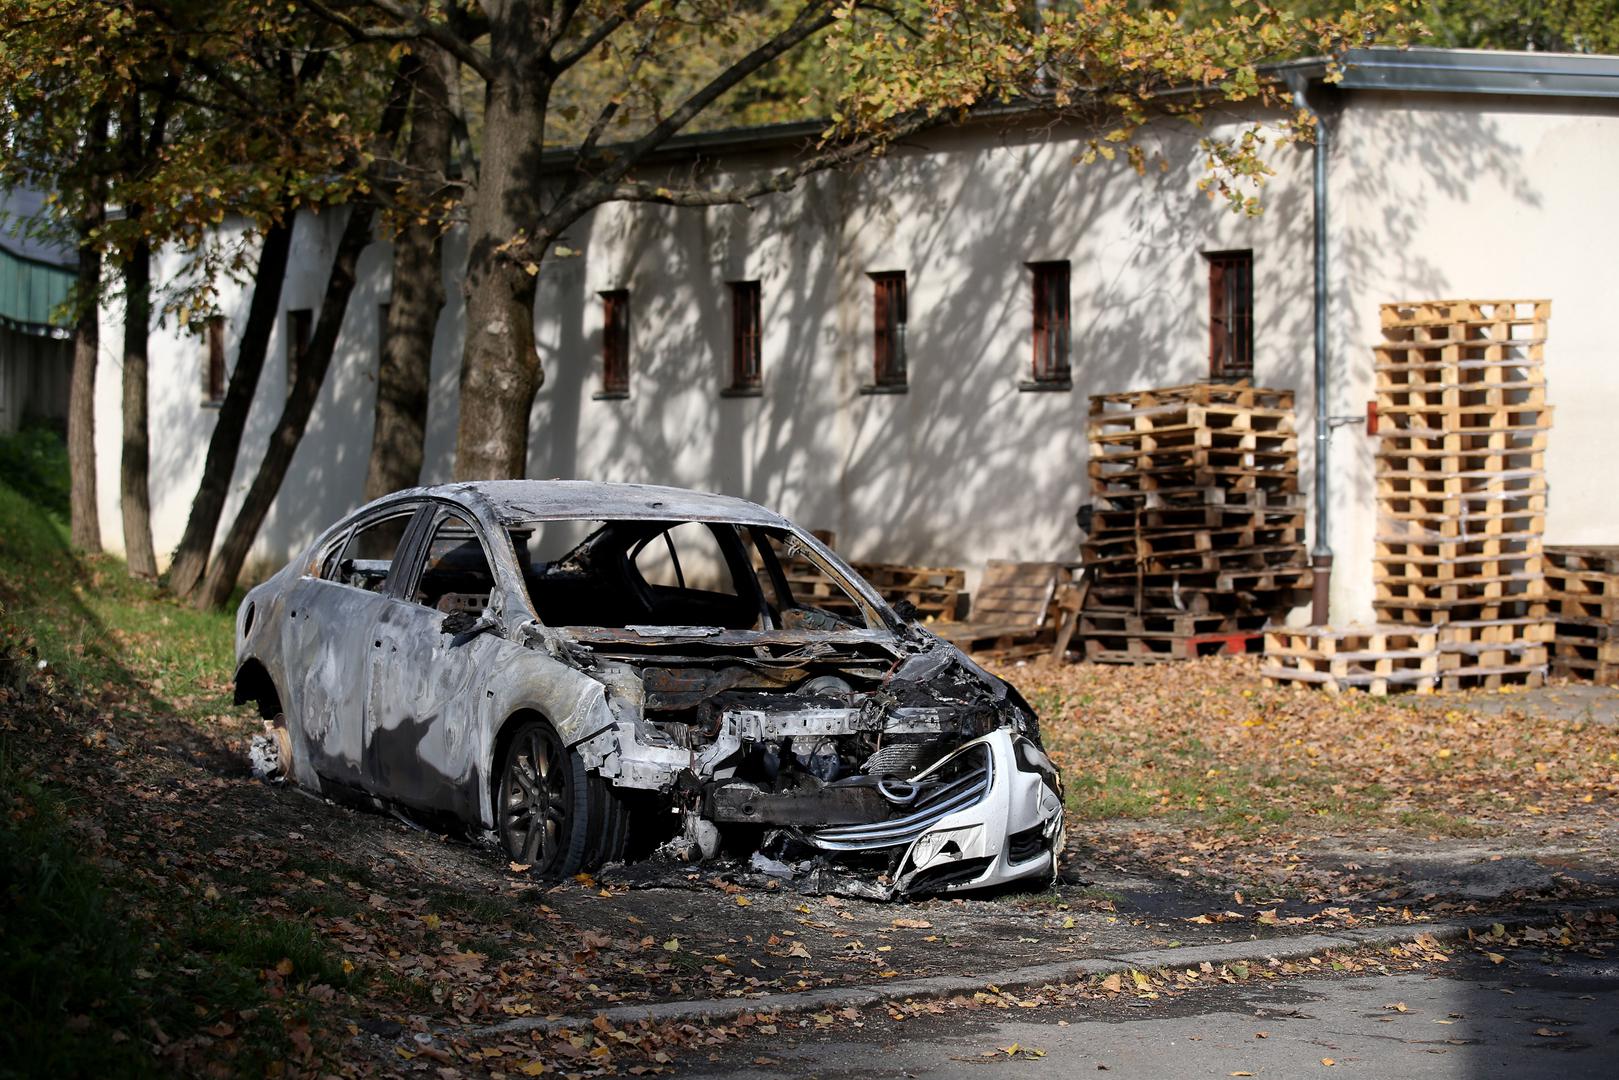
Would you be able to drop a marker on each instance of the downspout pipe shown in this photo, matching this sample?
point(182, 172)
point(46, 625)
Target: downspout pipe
point(1321, 551)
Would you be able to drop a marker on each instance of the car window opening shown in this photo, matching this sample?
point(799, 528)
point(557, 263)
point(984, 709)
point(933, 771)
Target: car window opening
point(367, 558)
point(456, 575)
point(668, 573)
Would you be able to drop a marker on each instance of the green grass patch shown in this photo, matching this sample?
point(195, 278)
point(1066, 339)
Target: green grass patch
point(34, 462)
point(85, 616)
point(1438, 823)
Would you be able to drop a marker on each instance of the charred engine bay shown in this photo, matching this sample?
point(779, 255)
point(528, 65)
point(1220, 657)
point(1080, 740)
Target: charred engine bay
point(826, 760)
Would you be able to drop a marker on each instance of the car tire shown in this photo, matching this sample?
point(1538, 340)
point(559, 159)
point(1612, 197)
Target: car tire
point(553, 816)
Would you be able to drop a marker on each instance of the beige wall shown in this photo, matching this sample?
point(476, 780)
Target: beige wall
point(1431, 196)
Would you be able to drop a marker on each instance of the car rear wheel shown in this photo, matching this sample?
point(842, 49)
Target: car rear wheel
point(555, 817)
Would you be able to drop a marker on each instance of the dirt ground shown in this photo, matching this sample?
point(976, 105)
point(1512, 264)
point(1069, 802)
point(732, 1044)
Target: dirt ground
point(441, 934)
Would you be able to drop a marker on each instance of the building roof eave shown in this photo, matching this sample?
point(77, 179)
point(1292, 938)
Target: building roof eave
point(1479, 71)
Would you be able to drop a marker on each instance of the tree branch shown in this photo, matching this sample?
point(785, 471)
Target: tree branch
point(610, 110)
point(777, 182)
point(601, 33)
point(415, 26)
point(815, 16)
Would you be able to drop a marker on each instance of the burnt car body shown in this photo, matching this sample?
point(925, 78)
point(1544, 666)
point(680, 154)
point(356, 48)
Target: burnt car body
point(548, 660)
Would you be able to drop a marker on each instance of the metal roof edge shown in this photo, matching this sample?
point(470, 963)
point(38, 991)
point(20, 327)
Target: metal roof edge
point(1481, 71)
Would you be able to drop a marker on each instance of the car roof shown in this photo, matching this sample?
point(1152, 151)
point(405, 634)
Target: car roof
point(588, 500)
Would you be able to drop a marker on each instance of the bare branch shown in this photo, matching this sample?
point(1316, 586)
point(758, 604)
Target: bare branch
point(604, 30)
point(610, 110)
point(415, 26)
point(777, 182)
point(815, 16)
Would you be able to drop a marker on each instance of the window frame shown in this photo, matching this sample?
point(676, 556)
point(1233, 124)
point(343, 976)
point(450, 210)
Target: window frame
point(215, 374)
point(747, 339)
point(333, 552)
point(1231, 314)
point(615, 382)
point(890, 299)
point(404, 588)
point(1051, 325)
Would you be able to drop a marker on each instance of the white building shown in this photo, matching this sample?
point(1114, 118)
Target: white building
point(1449, 174)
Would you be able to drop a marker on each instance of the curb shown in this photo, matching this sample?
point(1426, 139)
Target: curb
point(1027, 978)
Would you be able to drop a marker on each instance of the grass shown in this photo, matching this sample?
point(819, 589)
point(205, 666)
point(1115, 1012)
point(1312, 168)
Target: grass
point(104, 972)
point(89, 620)
point(95, 972)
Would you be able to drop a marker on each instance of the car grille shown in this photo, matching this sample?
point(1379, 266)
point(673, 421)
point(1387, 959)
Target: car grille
point(968, 784)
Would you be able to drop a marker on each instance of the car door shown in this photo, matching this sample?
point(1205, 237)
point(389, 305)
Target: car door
point(424, 688)
point(329, 617)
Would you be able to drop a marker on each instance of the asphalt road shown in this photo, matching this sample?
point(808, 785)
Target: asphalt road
point(1549, 1017)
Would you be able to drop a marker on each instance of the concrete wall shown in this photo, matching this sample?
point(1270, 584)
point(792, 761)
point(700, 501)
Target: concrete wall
point(1431, 197)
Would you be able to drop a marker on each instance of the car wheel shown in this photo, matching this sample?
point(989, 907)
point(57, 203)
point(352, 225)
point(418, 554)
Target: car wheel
point(270, 755)
point(555, 817)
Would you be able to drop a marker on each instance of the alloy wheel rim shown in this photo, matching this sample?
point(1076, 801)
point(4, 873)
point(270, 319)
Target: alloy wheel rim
point(536, 813)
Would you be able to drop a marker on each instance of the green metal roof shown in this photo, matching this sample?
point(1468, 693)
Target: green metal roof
point(31, 291)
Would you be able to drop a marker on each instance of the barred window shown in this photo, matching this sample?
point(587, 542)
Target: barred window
point(889, 304)
point(1231, 314)
point(616, 342)
point(747, 371)
point(1051, 322)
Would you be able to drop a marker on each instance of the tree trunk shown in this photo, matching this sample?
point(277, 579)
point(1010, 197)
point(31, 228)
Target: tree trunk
point(136, 464)
point(191, 557)
point(222, 573)
point(84, 513)
point(500, 369)
point(405, 370)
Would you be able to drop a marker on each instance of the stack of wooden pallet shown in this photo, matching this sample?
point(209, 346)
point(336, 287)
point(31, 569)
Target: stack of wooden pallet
point(1196, 537)
point(1582, 587)
point(1461, 484)
point(1376, 659)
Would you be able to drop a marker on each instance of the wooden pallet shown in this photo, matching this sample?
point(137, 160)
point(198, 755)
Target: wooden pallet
point(1424, 313)
point(1588, 651)
point(1166, 648)
point(1493, 678)
point(1011, 610)
point(1160, 498)
point(1376, 659)
point(935, 591)
point(1584, 558)
point(1428, 612)
point(1242, 394)
point(1197, 537)
point(1582, 586)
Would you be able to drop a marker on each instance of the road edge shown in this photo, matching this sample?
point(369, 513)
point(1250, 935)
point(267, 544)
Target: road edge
point(1303, 946)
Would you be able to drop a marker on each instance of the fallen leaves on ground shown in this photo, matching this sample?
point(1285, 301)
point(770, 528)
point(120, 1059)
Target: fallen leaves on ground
point(1198, 771)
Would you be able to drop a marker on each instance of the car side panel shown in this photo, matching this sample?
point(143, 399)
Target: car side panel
point(425, 706)
point(326, 641)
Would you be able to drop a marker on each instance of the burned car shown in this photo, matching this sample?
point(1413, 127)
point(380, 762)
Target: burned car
point(573, 667)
